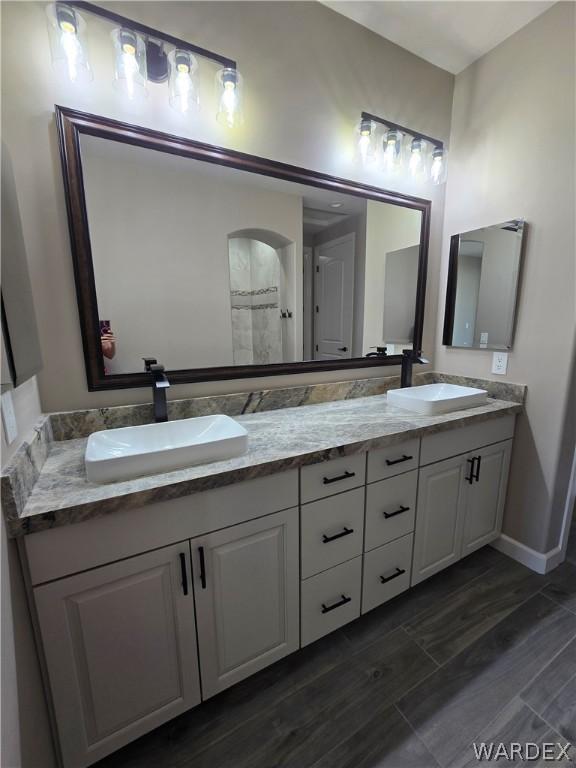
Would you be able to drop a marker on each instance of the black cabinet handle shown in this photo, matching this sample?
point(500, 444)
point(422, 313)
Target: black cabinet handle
point(391, 462)
point(345, 476)
point(342, 349)
point(340, 603)
point(184, 573)
point(472, 476)
point(202, 567)
point(399, 511)
point(345, 532)
point(477, 473)
point(399, 572)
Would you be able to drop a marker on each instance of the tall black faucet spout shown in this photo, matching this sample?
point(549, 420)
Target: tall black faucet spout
point(159, 387)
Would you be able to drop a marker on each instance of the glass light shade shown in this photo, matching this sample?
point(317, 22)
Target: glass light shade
point(392, 147)
point(438, 159)
point(183, 89)
point(67, 43)
point(130, 63)
point(229, 86)
point(365, 134)
point(418, 151)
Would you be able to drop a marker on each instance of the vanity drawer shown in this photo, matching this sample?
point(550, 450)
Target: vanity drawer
point(330, 600)
point(387, 572)
point(393, 460)
point(332, 531)
point(334, 476)
point(390, 509)
point(443, 445)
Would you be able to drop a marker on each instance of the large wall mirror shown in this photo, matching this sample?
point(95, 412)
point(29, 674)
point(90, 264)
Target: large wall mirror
point(222, 265)
point(483, 280)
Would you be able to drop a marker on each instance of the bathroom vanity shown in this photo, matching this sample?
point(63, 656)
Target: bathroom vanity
point(153, 595)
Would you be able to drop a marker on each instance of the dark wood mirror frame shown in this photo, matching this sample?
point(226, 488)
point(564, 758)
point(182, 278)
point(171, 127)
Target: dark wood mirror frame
point(72, 124)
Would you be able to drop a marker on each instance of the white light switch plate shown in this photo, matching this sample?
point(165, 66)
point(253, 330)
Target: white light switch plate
point(9, 418)
point(500, 363)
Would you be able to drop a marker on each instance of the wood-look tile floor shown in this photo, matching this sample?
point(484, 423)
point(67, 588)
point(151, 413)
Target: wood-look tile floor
point(485, 651)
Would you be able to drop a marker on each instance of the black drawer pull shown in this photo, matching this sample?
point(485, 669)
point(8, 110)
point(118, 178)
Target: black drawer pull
point(471, 477)
point(345, 476)
point(399, 511)
point(328, 608)
point(345, 532)
point(399, 572)
point(477, 473)
point(202, 567)
point(184, 573)
point(391, 462)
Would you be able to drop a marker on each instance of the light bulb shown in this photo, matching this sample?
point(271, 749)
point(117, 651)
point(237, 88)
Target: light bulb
point(392, 149)
point(183, 94)
point(130, 70)
point(365, 139)
point(437, 167)
point(65, 41)
point(229, 108)
point(416, 157)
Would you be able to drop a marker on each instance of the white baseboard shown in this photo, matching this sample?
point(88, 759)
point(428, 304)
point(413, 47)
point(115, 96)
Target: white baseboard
point(541, 562)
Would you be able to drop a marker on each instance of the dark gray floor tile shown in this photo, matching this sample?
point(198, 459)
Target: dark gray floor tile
point(302, 728)
point(446, 629)
point(455, 703)
point(433, 591)
point(562, 586)
point(546, 686)
point(385, 740)
point(516, 724)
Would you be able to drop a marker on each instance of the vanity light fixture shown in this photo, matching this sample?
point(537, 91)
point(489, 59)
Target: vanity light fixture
point(365, 137)
point(66, 30)
point(424, 155)
point(143, 54)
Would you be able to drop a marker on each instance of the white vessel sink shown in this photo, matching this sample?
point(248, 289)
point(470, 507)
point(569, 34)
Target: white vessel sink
point(121, 454)
point(437, 398)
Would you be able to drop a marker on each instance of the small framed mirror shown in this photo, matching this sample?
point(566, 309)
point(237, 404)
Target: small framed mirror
point(483, 280)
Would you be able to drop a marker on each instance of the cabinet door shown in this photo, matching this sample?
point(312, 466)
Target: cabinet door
point(120, 647)
point(486, 495)
point(246, 590)
point(439, 517)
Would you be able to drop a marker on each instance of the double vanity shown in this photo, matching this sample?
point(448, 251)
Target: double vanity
point(154, 594)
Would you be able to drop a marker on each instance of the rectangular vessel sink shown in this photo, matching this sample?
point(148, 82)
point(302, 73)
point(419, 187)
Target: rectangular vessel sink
point(121, 454)
point(437, 398)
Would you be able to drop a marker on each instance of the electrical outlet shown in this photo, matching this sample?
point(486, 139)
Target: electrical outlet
point(500, 363)
point(9, 418)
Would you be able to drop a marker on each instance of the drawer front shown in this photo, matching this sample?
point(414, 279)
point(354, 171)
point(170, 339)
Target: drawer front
point(452, 442)
point(332, 531)
point(393, 460)
point(390, 509)
point(387, 572)
point(334, 476)
point(330, 600)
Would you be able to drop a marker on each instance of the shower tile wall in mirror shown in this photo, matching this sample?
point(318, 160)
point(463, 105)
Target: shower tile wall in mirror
point(483, 285)
point(201, 265)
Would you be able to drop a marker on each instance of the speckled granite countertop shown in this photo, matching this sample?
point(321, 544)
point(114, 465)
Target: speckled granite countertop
point(278, 440)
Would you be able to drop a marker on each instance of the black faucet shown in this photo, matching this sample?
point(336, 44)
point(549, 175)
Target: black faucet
point(159, 387)
point(409, 357)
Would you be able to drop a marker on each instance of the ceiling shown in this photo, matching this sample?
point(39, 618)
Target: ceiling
point(450, 34)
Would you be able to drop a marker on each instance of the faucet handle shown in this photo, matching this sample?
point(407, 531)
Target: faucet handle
point(148, 363)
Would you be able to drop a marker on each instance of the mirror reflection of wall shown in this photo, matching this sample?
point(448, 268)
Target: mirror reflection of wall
point(201, 265)
point(484, 273)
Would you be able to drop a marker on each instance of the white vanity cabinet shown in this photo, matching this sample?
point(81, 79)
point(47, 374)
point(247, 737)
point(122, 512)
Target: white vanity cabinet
point(120, 649)
point(246, 592)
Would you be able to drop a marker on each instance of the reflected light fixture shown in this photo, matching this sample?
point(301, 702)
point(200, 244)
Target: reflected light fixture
point(183, 91)
point(424, 155)
point(229, 92)
point(66, 28)
point(143, 54)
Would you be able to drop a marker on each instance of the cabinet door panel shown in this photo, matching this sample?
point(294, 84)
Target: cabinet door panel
point(247, 602)
point(486, 496)
point(120, 645)
point(439, 517)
